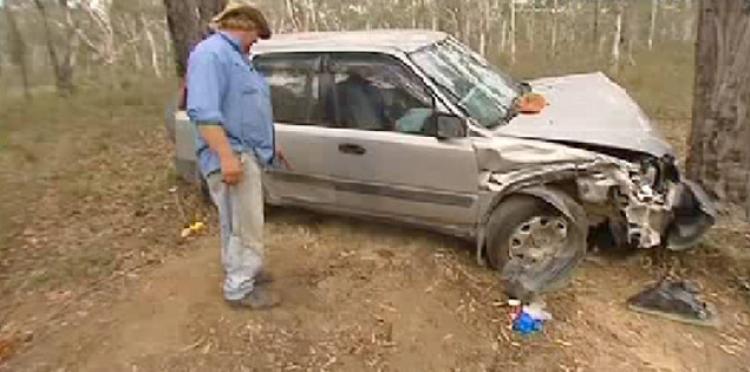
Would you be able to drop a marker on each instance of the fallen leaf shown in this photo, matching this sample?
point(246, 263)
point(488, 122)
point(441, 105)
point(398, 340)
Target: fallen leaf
point(728, 350)
point(207, 348)
point(563, 343)
point(7, 348)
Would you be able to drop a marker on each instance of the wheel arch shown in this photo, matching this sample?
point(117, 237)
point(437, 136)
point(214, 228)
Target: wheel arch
point(559, 195)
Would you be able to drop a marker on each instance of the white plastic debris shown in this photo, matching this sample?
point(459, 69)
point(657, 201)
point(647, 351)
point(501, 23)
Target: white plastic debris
point(536, 311)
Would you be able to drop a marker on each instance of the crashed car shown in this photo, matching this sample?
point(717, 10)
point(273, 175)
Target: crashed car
point(413, 126)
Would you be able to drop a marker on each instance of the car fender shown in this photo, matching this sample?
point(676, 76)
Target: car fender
point(553, 196)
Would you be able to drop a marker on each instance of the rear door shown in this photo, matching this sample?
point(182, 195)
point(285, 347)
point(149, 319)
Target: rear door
point(384, 162)
point(300, 121)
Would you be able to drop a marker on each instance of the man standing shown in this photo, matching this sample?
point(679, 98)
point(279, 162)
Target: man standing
point(229, 101)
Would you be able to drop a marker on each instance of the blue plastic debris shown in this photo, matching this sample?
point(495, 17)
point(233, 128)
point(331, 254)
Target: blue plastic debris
point(525, 324)
point(528, 319)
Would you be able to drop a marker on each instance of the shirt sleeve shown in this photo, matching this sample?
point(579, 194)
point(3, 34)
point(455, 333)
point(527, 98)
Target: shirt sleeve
point(206, 83)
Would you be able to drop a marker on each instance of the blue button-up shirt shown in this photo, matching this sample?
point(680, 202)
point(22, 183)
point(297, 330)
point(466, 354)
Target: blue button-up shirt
point(224, 88)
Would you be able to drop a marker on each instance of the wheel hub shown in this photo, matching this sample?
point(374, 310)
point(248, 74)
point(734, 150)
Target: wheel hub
point(538, 239)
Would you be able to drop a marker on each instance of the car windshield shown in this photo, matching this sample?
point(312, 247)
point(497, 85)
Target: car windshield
point(483, 92)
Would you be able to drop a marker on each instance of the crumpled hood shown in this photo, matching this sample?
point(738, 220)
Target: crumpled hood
point(588, 109)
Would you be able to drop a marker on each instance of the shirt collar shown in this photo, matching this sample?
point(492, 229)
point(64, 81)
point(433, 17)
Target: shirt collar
point(235, 42)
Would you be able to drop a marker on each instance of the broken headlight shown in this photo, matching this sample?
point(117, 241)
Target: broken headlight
point(650, 174)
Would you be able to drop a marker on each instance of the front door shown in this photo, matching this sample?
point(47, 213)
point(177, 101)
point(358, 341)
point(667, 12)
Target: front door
point(385, 163)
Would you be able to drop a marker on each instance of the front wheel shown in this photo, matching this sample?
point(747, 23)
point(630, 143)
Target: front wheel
point(535, 246)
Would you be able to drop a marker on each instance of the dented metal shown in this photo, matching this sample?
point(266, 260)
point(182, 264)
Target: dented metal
point(609, 188)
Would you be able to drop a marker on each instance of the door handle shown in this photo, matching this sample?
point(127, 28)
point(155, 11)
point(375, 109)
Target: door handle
point(350, 148)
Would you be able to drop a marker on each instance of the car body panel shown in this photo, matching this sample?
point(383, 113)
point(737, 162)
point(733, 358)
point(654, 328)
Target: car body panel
point(409, 174)
point(589, 109)
point(308, 152)
point(378, 41)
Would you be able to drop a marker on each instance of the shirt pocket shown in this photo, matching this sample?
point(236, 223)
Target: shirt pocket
point(245, 94)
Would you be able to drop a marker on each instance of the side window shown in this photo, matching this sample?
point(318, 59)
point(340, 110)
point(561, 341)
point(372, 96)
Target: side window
point(295, 86)
point(377, 92)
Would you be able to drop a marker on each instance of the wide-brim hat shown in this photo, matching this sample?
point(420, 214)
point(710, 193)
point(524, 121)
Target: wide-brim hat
point(235, 7)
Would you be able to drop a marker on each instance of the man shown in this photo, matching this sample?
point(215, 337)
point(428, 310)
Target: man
point(229, 101)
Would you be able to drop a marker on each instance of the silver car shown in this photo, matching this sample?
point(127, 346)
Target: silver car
point(414, 127)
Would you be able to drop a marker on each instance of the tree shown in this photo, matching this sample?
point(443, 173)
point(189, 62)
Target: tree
point(188, 23)
point(61, 48)
point(719, 153)
point(17, 49)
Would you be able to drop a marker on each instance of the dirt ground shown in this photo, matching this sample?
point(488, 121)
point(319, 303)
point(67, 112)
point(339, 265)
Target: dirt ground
point(94, 276)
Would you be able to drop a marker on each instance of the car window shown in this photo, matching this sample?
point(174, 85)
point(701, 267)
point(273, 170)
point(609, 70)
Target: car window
point(479, 89)
point(377, 92)
point(294, 80)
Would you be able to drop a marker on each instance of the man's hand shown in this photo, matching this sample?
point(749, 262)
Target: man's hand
point(231, 169)
point(282, 159)
point(216, 138)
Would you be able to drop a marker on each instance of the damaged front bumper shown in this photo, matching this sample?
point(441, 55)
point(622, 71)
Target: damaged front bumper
point(641, 199)
point(645, 210)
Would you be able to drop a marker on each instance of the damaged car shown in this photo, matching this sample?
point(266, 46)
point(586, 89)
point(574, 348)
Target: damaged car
point(414, 127)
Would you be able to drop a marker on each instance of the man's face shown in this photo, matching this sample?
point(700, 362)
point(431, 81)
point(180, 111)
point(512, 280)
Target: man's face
point(249, 38)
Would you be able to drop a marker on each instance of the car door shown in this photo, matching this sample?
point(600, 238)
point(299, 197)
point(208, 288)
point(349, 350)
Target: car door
point(385, 163)
point(300, 120)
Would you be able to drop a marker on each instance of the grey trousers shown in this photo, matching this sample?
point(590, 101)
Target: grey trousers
point(241, 217)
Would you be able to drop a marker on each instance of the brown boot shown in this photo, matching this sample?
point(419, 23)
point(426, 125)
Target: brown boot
point(260, 298)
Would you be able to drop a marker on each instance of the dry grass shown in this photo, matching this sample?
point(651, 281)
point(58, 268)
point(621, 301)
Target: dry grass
point(87, 187)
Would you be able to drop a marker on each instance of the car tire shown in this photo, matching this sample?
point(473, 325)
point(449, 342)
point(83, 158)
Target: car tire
point(545, 272)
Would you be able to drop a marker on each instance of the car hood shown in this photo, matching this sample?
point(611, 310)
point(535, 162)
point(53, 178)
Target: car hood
point(588, 109)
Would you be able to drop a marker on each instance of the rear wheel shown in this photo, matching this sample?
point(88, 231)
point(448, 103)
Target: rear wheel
point(533, 244)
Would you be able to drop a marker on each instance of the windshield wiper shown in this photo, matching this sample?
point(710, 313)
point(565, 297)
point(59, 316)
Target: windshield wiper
point(511, 113)
point(524, 87)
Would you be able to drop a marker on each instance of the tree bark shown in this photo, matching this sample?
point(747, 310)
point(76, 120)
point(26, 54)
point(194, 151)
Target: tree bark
point(617, 41)
point(435, 14)
point(553, 45)
point(512, 31)
point(652, 26)
point(188, 24)
point(152, 46)
point(291, 14)
point(719, 155)
point(17, 49)
point(597, 12)
point(62, 65)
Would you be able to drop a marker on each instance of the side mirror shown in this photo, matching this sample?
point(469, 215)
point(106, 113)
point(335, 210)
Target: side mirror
point(449, 126)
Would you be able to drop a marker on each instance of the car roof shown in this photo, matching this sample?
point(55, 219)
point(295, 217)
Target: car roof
point(342, 41)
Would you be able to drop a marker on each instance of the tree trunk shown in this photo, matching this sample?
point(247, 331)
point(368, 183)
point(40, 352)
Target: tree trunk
point(652, 27)
point(512, 31)
point(152, 47)
point(719, 155)
point(553, 46)
point(17, 49)
point(597, 12)
point(188, 24)
point(617, 41)
point(291, 14)
point(531, 28)
point(435, 13)
point(62, 65)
